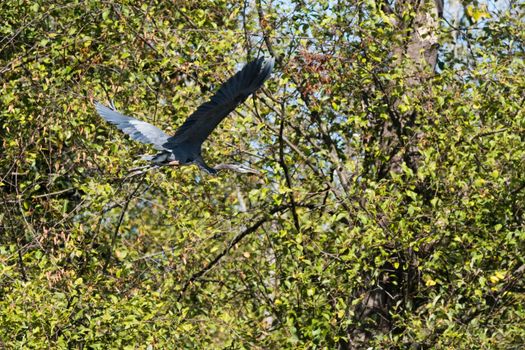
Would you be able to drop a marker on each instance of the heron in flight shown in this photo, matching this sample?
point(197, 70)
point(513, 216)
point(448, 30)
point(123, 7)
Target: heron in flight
point(184, 147)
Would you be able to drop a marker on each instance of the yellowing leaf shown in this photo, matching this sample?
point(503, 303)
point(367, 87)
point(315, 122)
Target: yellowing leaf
point(430, 283)
point(477, 13)
point(497, 276)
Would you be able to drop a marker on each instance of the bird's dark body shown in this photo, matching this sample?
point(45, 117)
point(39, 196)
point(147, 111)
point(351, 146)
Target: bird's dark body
point(185, 146)
point(181, 154)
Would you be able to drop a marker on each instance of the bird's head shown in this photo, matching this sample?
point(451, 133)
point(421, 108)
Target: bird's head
point(240, 168)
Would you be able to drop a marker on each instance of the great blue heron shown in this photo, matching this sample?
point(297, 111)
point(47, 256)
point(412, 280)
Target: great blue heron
point(185, 146)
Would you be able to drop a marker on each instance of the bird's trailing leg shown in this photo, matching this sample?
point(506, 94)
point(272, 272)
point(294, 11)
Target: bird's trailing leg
point(145, 168)
point(141, 170)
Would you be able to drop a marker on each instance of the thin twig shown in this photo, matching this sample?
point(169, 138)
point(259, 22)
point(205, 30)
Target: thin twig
point(263, 26)
point(54, 193)
point(286, 170)
point(120, 220)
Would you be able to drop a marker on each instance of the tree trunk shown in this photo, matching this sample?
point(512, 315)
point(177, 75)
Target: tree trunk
point(416, 53)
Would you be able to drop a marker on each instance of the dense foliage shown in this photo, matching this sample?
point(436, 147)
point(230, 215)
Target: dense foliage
point(389, 213)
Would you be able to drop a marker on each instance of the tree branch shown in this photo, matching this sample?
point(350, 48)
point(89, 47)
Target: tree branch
point(286, 171)
point(120, 220)
point(263, 23)
point(239, 237)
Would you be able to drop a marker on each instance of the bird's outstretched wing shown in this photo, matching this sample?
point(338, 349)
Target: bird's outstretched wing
point(137, 129)
point(233, 92)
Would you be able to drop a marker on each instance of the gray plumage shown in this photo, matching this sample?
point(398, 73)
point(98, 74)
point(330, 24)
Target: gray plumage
point(185, 146)
point(136, 129)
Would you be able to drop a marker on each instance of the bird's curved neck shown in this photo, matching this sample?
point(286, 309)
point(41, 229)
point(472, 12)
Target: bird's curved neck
point(200, 162)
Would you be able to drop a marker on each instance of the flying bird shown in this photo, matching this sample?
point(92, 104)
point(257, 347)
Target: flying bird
point(184, 147)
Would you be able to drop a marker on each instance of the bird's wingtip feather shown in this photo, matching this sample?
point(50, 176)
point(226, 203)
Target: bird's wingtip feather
point(100, 107)
point(268, 64)
point(270, 61)
point(103, 108)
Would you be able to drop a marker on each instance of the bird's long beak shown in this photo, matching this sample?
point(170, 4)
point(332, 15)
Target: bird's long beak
point(249, 170)
point(244, 169)
point(240, 168)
